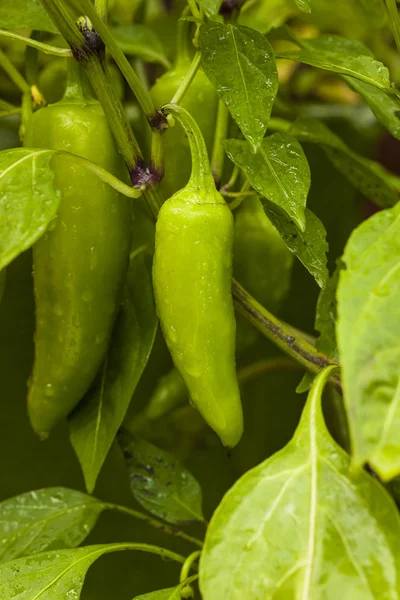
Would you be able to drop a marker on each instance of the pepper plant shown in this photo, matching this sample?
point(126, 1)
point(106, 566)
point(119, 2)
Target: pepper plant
point(199, 299)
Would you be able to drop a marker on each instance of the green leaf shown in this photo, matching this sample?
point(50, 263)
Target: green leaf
point(18, 14)
point(309, 246)
point(278, 171)
point(368, 333)
point(342, 56)
point(28, 200)
point(297, 526)
point(264, 16)
point(160, 483)
point(366, 175)
point(140, 41)
point(304, 5)
point(240, 62)
point(386, 108)
point(46, 519)
point(210, 7)
point(96, 420)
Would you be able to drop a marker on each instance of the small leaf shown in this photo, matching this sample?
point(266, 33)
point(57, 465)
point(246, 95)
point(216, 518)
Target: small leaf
point(140, 41)
point(240, 62)
point(46, 519)
point(29, 14)
point(310, 247)
point(297, 526)
point(278, 171)
point(386, 108)
point(160, 483)
point(366, 175)
point(304, 5)
point(28, 200)
point(342, 56)
point(325, 324)
point(368, 333)
point(210, 7)
point(96, 420)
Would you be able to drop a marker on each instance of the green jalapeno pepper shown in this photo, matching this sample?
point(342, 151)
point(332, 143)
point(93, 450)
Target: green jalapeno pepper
point(192, 273)
point(79, 265)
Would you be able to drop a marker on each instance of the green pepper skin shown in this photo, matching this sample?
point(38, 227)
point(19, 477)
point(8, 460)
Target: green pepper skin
point(192, 273)
point(201, 101)
point(169, 393)
point(79, 264)
point(262, 263)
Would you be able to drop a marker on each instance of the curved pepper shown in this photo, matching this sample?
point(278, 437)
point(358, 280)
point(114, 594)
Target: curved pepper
point(80, 263)
point(192, 273)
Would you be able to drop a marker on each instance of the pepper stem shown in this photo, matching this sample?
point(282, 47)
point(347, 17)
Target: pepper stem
point(201, 176)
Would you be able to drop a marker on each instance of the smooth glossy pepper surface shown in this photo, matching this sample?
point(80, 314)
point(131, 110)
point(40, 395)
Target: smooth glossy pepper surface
point(192, 273)
point(79, 264)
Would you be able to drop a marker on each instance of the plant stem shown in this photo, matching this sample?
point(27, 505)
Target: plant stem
point(156, 523)
point(281, 334)
point(13, 73)
point(119, 547)
point(190, 75)
point(46, 48)
point(232, 180)
point(188, 564)
point(193, 7)
point(201, 175)
point(394, 20)
point(101, 7)
point(218, 154)
point(102, 174)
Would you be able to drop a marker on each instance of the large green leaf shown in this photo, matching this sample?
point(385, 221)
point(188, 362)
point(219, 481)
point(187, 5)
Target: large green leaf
point(368, 333)
point(211, 7)
point(46, 519)
point(141, 41)
point(160, 483)
point(369, 177)
point(297, 526)
point(240, 62)
point(386, 108)
point(96, 420)
point(278, 171)
point(343, 56)
point(17, 14)
point(28, 199)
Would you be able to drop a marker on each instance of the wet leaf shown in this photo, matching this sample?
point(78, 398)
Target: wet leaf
point(377, 184)
point(210, 7)
point(368, 333)
point(96, 420)
point(160, 483)
point(28, 200)
point(304, 5)
point(342, 56)
point(278, 171)
point(264, 16)
point(240, 62)
point(297, 526)
point(46, 519)
point(309, 246)
point(173, 593)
